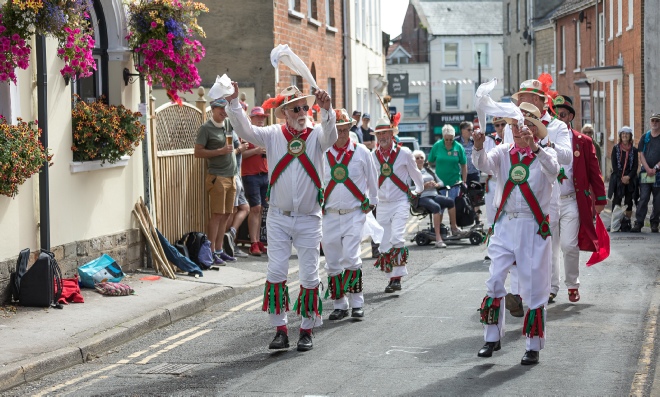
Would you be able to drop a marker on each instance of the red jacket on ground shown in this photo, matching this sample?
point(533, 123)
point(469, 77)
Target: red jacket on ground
point(587, 181)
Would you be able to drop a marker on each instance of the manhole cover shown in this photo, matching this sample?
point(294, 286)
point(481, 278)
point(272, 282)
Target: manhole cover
point(170, 369)
point(628, 238)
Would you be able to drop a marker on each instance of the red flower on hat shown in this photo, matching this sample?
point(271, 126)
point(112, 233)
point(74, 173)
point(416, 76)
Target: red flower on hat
point(272, 103)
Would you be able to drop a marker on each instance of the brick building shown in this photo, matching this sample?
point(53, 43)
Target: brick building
point(241, 33)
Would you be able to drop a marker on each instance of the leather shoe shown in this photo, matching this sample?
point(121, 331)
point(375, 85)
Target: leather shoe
point(489, 348)
point(338, 314)
point(530, 357)
point(573, 295)
point(396, 284)
point(514, 305)
point(281, 341)
point(305, 342)
point(389, 289)
point(357, 312)
point(551, 298)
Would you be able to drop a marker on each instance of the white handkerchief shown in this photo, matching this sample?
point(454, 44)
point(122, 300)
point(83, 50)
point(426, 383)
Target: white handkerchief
point(221, 88)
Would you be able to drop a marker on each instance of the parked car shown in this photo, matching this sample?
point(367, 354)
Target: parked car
point(409, 142)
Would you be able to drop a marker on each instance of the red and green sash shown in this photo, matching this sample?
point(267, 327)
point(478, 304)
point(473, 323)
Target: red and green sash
point(339, 174)
point(518, 175)
point(387, 171)
point(296, 149)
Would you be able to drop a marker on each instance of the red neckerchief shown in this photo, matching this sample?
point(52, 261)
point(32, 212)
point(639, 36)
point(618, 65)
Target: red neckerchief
point(498, 140)
point(341, 150)
point(294, 132)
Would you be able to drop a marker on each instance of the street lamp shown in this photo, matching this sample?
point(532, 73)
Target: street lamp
point(129, 77)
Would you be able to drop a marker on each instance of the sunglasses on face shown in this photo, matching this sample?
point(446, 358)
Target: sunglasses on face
point(299, 108)
point(563, 114)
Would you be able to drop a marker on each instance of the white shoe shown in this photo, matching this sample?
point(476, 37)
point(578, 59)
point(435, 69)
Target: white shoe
point(440, 244)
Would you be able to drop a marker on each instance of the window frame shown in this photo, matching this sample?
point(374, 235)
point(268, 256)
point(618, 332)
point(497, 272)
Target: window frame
point(330, 13)
point(312, 10)
point(444, 51)
point(563, 48)
point(578, 47)
point(458, 96)
point(631, 9)
point(100, 54)
point(475, 63)
point(619, 17)
point(415, 105)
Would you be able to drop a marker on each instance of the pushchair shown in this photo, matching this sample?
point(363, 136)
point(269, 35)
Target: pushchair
point(473, 196)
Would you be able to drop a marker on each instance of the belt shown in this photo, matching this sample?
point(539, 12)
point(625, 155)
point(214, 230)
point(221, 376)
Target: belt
point(285, 213)
point(570, 195)
point(341, 212)
point(512, 215)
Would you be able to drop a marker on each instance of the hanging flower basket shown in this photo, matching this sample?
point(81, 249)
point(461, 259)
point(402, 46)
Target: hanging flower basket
point(66, 20)
point(104, 132)
point(162, 33)
point(21, 154)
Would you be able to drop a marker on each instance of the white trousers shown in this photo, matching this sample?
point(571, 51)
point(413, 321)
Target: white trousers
point(393, 216)
point(491, 210)
point(566, 239)
point(341, 239)
point(304, 233)
point(517, 240)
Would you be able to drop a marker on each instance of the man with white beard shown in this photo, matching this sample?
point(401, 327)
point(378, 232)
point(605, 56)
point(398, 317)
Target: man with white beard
point(295, 195)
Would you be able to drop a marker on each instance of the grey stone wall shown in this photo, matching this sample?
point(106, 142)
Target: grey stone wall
point(651, 57)
point(127, 248)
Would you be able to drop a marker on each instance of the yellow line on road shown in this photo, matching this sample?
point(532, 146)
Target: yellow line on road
point(173, 346)
point(75, 380)
point(641, 378)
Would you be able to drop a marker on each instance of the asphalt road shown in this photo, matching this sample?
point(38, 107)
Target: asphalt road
point(422, 341)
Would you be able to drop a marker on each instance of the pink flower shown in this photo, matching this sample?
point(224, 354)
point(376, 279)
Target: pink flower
point(154, 25)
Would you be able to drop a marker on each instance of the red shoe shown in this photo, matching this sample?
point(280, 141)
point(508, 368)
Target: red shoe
point(573, 295)
point(254, 249)
point(262, 247)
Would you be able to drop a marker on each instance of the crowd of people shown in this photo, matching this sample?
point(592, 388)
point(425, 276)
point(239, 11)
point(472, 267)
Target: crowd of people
point(544, 192)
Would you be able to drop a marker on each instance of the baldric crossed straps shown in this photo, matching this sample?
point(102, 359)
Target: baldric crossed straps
point(339, 174)
point(518, 175)
point(296, 146)
point(387, 171)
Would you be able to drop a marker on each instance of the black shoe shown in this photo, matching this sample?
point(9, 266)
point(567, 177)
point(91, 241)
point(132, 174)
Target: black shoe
point(530, 357)
point(551, 298)
point(486, 258)
point(489, 348)
point(654, 228)
point(338, 314)
point(514, 305)
point(357, 312)
point(281, 341)
point(396, 284)
point(305, 342)
point(389, 289)
point(637, 228)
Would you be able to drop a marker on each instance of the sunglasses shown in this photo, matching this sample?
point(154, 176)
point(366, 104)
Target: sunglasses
point(299, 108)
point(563, 114)
point(499, 125)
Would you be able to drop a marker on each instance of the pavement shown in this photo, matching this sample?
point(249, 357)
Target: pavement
point(39, 341)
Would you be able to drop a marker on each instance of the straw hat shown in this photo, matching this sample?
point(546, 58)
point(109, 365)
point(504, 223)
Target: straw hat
point(531, 87)
point(343, 118)
point(384, 124)
point(290, 94)
point(531, 113)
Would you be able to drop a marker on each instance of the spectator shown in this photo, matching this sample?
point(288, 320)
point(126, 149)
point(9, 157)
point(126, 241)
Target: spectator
point(465, 139)
point(448, 156)
point(214, 144)
point(255, 180)
point(369, 138)
point(588, 130)
point(241, 208)
point(354, 129)
point(429, 199)
point(649, 155)
point(623, 182)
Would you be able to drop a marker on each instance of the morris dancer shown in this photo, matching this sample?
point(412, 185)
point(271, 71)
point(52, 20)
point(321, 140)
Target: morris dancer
point(350, 193)
point(296, 196)
point(577, 181)
point(397, 166)
point(521, 230)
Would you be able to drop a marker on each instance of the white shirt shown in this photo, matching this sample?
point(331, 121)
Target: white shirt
point(490, 144)
point(294, 190)
point(542, 175)
point(405, 168)
point(566, 186)
point(361, 171)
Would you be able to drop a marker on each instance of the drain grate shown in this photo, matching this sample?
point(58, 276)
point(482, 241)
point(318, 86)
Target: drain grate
point(169, 369)
point(628, 238)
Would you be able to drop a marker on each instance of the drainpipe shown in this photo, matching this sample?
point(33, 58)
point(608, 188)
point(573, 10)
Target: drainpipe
point(347, 56)
point(42, 112)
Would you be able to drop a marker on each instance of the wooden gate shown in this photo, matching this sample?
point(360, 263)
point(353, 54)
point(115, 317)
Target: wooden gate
point(181, 202)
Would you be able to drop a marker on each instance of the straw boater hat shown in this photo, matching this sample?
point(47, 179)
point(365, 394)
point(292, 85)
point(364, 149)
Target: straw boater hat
point(343, 118)
point(384, 124)
point(290, 94)
point(497, 119)
point(531, 113)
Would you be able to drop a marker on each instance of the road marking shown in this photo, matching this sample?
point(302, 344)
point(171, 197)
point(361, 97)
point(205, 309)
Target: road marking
point(641, 379)
point(405, 351)
point(173, 346)
point(444, 318)
point(75, 380)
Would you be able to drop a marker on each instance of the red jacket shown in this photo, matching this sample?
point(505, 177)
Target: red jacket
point(587, 181)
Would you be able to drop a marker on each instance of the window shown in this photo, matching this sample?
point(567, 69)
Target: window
point(451, 95)
point(358, 21)
point(297, 81)
point(527, 65)
point(586, 111)
point(508, 17)
point(619, 16)
point(631, 10)
point(485, 55)
point(611, 19)
point(312, 11)
point(601, 39)
point(330, 12)
point(331, 90)
point(411, 106)
point(517, 15)
point(294, 5)
point(365, 21)
point(451, 55)
point(578, 46)
point(563, 49)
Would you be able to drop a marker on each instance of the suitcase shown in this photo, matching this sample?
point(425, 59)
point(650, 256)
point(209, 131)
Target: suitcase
point(41, 284)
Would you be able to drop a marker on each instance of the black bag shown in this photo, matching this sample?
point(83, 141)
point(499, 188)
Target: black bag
point(41, 284)
point(626, 225)
point(465, 215)
point(190, 245)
